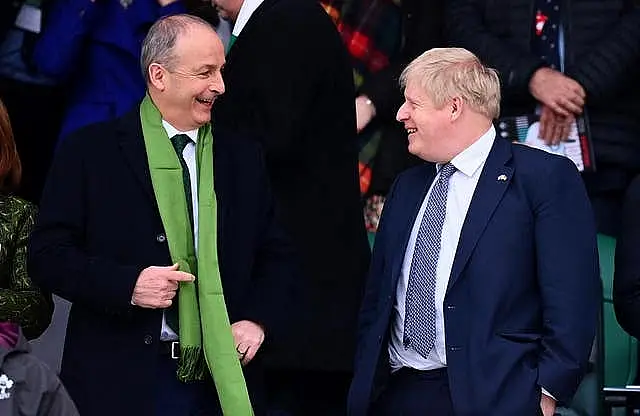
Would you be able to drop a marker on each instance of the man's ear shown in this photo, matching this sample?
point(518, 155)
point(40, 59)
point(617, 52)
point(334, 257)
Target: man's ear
point(456, 107)
point(157, 76)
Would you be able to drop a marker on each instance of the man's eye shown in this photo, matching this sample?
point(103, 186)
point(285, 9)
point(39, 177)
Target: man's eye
point(204, 74)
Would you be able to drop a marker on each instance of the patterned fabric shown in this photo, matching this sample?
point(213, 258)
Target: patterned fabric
point(545, 41)
point(420, 311)
point(371, 32)
point(20, 301)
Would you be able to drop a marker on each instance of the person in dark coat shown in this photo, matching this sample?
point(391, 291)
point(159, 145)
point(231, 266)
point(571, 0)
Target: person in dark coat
point(566, 58)
point(289, 79)
point(123, 209)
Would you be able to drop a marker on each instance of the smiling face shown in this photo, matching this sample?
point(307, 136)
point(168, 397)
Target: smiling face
point(184, 92)
point(428, 127)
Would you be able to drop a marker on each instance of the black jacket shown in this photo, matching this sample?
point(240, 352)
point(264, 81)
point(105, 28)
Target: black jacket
point(28, 387)
point(602, 54)
point(99, 227)
point(288, 78)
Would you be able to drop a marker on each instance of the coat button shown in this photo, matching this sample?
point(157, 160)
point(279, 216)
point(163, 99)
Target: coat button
point(148, 339)
point(161, 238)
point(451, 307)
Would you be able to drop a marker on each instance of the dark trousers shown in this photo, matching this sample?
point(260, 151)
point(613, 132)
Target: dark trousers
point(415, 393)
point(174, 398)
point(307, 393)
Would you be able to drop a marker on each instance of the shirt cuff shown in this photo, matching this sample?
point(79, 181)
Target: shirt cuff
point(546, 393)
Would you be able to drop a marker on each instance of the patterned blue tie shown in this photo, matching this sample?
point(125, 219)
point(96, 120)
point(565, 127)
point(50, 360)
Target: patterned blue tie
point(420, 307)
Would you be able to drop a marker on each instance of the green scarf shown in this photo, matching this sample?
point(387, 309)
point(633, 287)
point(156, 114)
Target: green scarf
point(205, 331)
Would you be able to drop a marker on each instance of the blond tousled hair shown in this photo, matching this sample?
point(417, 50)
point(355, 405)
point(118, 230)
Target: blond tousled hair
point(446, 73)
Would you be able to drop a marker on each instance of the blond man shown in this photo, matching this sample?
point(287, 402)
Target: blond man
point(482, 297)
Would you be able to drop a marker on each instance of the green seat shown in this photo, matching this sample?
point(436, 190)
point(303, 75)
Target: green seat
point(620, 348)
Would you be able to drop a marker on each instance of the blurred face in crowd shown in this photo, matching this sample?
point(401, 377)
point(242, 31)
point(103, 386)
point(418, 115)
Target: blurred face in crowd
point(185, 91)
point(428, 127)
point(228, 9)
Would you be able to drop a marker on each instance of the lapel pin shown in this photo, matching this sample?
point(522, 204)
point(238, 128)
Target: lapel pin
point(502, 178)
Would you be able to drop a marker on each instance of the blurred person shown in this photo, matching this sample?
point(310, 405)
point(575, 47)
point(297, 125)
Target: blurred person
point(563, 60)
point(93, 47)
point(21, 302)
point(379, 97)
point(382, 37)
point(483, 292)
point(28, 387)
point(176, 279)
point(626, 281)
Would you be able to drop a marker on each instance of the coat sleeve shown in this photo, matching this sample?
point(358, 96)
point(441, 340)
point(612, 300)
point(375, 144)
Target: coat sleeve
point(57, 402)
point(59, 259)
point(626, 281)
point(22, 302)
point(612, 62)
point(275, 270)
point(568, 277)
point(466, 28)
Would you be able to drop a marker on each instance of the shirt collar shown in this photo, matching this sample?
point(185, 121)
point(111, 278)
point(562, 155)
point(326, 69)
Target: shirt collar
point(172, 131)
point(246, 10)
point(470, 159)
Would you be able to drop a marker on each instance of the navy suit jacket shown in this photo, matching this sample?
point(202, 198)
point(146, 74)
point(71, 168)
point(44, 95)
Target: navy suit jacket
point(99, 227)
point(521, 305)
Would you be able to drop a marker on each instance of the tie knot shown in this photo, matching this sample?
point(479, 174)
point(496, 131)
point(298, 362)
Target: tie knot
point(179, 142)
point(446, 171)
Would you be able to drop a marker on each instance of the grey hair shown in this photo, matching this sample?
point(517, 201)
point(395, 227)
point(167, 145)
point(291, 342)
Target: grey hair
point(161, 39)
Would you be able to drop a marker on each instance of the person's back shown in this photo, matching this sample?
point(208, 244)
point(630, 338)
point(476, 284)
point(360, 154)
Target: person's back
point(289, 79)
point(28, 387)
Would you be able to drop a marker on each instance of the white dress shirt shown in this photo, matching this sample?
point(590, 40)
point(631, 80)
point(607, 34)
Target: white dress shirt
point(469, 164)
point(246, 10)
point(189, 155)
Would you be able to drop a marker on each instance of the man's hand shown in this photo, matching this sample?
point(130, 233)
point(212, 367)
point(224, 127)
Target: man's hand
point(548, 405)
point(554, 128)
point(157, 286)
point(553, 89)
point(164, 3)
point(365, 112)
point(248, 337)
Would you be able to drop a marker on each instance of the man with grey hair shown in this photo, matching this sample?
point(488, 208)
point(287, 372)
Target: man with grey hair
point(482, 297)
point(175, 278)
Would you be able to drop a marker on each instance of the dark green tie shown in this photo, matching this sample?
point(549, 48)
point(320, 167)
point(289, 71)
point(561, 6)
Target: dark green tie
point(179, 142)
point(232, 40)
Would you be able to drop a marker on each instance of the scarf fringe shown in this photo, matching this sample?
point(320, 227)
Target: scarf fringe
point(191, 365)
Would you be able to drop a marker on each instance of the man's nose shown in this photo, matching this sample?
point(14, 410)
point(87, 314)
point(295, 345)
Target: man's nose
point(401, 115)
point(217, 85)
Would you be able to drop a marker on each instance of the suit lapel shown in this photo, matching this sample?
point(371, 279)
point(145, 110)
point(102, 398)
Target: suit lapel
point(494, 181)
point(411, 206)
point(132, 147)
